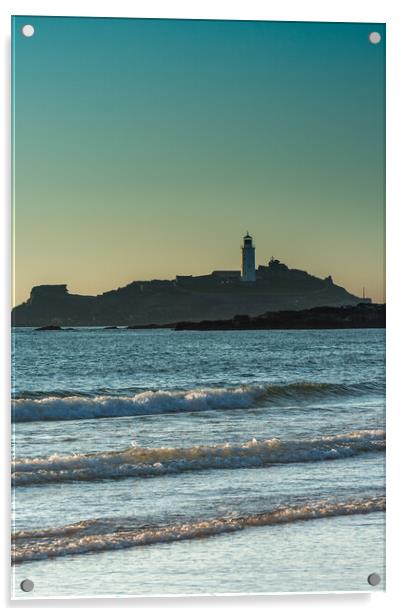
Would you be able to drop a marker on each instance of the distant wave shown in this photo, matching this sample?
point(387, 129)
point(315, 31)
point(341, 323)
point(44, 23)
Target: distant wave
point(150, 461)
point(70, 407)
point(96, 536)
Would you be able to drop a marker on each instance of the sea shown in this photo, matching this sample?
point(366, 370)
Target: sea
point(161, 462)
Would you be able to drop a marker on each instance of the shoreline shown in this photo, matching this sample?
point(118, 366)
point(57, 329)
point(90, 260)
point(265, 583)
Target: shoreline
point(362, 316)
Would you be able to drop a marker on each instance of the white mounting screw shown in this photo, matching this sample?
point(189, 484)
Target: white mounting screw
point(28, 30)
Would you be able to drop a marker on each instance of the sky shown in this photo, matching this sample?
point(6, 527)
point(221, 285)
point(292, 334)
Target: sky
point(144, 148)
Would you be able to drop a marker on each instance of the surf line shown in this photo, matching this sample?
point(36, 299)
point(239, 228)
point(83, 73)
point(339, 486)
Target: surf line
point(81, 539)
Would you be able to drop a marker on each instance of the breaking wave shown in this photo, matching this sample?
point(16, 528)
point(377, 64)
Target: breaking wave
point(150, 461)
point(73, 407)
point(97, 535)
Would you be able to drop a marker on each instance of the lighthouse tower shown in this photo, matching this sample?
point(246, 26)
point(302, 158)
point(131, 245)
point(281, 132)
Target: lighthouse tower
point(248, 259)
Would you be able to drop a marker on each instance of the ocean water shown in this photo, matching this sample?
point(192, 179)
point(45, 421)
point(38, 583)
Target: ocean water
point(158, 462)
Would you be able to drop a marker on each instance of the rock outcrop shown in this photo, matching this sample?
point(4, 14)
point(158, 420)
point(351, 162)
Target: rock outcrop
point(349, 317)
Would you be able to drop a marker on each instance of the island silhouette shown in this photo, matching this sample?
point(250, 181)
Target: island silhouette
point(216, 296)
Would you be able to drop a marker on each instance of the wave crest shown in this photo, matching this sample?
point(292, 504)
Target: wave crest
point(93, 536)
point(73, 407)
point(150, 461)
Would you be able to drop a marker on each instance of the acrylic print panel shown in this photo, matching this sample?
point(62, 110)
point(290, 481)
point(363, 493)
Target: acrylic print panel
point(191, 414)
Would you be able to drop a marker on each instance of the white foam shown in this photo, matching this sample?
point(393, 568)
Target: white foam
point(93, 536)
point(150, 461)
point(73, 407)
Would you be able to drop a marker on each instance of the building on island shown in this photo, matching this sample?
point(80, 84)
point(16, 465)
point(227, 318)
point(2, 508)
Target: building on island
point(248, 259)
point(226, 274)
point(246, 274)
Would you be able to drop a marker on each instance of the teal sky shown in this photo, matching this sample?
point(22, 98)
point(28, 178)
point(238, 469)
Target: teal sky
point(147, 148)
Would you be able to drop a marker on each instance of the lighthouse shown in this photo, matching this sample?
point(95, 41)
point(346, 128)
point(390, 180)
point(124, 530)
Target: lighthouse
point(248, 259)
